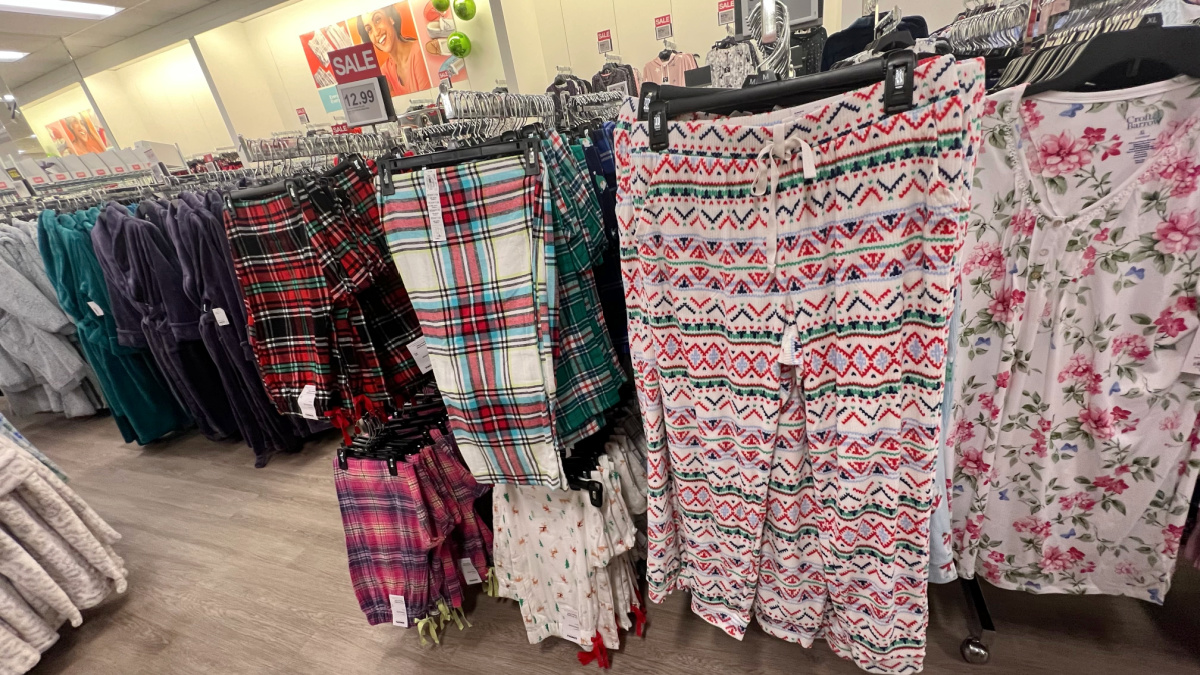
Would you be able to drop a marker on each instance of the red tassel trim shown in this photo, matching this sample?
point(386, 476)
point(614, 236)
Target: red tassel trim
point(599, 654)
point(640, 623)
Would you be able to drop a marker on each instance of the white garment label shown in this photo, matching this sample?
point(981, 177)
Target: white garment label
point(470, 574)
point(790, 338)
point(420, 353)
point(95, 308)
point(399, 611)
point(569, 623)
point(601, 182)
point(307, 400)
point(433, 204)
point(219, 315)
point(586, 142)
point(1191, 364)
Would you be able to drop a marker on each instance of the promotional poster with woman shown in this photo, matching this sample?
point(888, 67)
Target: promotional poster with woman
point(410, 43)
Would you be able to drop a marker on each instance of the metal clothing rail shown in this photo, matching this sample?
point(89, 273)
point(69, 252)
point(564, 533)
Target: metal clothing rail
point(281, 148)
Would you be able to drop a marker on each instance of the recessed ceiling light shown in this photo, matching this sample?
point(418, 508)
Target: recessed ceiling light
point(67, 8)
point(7, 57)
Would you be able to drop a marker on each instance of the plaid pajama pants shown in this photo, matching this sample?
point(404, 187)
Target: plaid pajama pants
point(587, 372)
point(481, 298)
point(288, 303)
point(406, 534)
point(324, 258)
point(788, 278)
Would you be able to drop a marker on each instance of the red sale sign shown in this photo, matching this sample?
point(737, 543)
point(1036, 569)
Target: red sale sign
point(660, 21)
point(354, 63)
point(663, 28)
point(724, 5)
point(604, 35)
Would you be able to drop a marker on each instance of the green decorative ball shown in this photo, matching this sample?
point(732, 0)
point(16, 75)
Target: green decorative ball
point(440, 5)
point(459, 44)
point(464, 9)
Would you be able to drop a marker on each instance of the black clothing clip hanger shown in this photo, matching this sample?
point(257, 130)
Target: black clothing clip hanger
point(897, 39)
point(895, 69)
point(528, 148)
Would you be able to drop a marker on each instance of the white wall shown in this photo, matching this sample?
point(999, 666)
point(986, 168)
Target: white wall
point(241, 80)
point(162, 98)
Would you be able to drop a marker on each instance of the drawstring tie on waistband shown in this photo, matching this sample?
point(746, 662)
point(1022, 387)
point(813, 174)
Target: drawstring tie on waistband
point(766, 181)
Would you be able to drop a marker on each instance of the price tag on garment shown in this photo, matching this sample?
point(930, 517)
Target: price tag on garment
point(399, 611)
point(604, 41)
point(586, 142)
point(219, 315)
point(95, 309)
point(601, 183)
point(420, 353)
point(663, 28)
point(1191, 364)
point(725, 12)
point(433, 204)
point(470, 574)
point(307, 400)
point(569, 623)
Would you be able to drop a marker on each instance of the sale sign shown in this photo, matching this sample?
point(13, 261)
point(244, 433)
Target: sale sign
point(663, 28)
point(604, 41)
point(353, 64)
point(725, 12)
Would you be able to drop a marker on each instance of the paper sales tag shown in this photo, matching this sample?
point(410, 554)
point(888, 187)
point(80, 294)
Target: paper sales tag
point(399, 611)
point(307, 400)
point(95, 309)
point(790, 338)
point(219, 315)
point(433, 204)
point(363, 102)
point(470, 574)
point(604, 41)
point(570, 625)
point(1191, 364)
point(420, 353)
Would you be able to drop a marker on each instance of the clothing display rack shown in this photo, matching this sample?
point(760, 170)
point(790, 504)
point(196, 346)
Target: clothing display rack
point(285, 147)
point(585, 107)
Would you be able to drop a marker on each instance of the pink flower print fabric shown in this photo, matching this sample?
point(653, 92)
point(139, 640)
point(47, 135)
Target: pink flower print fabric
point(1073, 415)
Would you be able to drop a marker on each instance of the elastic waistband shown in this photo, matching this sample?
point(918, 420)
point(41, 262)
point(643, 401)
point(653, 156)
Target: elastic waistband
point(934, 80)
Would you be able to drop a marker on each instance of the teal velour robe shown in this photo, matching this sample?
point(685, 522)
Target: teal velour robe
point(142, 404)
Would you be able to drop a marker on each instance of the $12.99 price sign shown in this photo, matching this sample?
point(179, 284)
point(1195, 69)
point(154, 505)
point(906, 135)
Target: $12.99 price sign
point(364, 102)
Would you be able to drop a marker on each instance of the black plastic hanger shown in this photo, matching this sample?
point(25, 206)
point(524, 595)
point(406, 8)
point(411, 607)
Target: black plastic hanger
point(895, 69)
point(1175, 50)
point(528, 148)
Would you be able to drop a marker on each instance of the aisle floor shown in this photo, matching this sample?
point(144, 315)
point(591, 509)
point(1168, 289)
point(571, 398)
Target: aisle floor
point(237, 570)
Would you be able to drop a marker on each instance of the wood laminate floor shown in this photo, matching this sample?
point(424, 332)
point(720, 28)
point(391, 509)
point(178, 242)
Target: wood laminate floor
point(237, 570)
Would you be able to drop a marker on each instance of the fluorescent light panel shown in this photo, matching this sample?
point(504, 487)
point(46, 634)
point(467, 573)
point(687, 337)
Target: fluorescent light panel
point(65, 8)
point(8, 57)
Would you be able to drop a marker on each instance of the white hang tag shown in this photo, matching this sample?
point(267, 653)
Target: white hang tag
point(1191, 363)
point(433, 204)
point(399, 611)
point(587, 142)
point(601, 182)
point(790, 338)
point(420, 353)
point(95, 308)
point(219, 315)
point(470, 574)
point(570, 625)
point(307, 400)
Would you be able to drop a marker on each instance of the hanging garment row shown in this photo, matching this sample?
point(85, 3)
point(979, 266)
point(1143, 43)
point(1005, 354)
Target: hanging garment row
point(150, 286)
point(41, 366)
point(499, 257)
point(331, 326)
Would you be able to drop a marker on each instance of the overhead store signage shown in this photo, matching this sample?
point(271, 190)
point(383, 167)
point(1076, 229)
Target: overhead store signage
point(354, 64)
point(725, 12)
point(303, 115)
point(366, 101)
point(342, 129)
point(604, 41)
point(663, 28)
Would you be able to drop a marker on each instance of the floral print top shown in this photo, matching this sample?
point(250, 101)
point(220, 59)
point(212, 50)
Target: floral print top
point(1073, 415)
